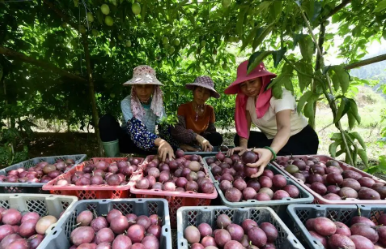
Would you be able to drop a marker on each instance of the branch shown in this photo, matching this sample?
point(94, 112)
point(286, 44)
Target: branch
point(366, 62)
point(332, 103)
point(22, 57)
point(336, 9)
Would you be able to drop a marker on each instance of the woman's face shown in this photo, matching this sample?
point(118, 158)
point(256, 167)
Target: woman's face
point(144, 92)
point(251, 88)
point(200, 95)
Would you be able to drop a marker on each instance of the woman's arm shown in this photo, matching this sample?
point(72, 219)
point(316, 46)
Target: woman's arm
point(141, 137)
point(181, 134)
point(283, 120)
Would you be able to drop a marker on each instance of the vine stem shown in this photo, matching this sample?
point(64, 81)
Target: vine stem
point(332, 103)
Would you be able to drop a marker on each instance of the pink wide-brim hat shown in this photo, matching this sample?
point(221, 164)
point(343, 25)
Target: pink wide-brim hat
point(242, 76)
point(205, 82)
point(143, 75)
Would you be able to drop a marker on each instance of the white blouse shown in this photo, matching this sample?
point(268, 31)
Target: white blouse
point(267, 124)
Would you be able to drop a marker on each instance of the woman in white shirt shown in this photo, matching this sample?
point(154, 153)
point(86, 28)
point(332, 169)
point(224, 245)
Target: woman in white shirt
point(283, 130)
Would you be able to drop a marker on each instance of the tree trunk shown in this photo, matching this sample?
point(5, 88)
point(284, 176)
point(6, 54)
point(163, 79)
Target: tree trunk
point(95, 115)
point(67, 117)
point(5, 91)
point(318, 65)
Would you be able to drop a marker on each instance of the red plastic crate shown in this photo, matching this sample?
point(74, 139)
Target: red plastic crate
point(175, 199)
point(90, 192)
point(320, 199)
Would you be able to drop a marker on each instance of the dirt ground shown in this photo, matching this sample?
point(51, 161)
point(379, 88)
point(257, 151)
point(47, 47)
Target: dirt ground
point(52, 144)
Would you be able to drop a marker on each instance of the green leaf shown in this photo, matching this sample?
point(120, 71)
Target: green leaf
point(354, 110)
point(372, 170)
point(355, 156)
point(356, 136)
point(340, 78)
point(303, 99)
point(278, 56)
point(296, 38)
point(277, 91)
point(342, 110)
point(249, 38)
point(240, 21)
point(335, 81)
point(380, 6)
point(306, 47)
point(316, 9)
point(335, 18)
point(351, 120)
point(304, 80)
point(261, 34)
point(382, 163)
point(276, 9)
point(288, 83)
point(309, 109)
point(287, 69)
point(263, 6)
point(255, 60)
point(363, 155)
point(332, 148)
point(336, 136)
point(340, 152)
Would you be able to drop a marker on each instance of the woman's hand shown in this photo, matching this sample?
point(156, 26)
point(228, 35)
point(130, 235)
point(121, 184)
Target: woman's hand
point(188, 148)
point(240, 149)
point(265, 156)
point(205, 144)
point(165, 151)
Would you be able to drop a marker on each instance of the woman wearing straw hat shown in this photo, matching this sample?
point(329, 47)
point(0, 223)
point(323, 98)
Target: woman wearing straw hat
point(141, 110)
point(196, 119)
point(283, 130)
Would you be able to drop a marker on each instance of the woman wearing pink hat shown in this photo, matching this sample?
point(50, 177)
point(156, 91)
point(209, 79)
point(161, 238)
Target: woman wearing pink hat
point(142, 111)
point(196, 119)
point(283, 130)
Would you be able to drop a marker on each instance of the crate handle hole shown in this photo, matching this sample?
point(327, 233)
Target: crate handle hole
point(166, 230)
point(295, 241)
point(288, 199)
point(318, 206)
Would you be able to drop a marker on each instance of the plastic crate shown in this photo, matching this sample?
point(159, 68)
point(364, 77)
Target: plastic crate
point(60, 236)
point(318, 199)
point(301, 213)
point(28, 187)
point(304, 196)
point(215, 150)
point(187, 216)
point(41, 204)
point(175, 199)
point(88, 192)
